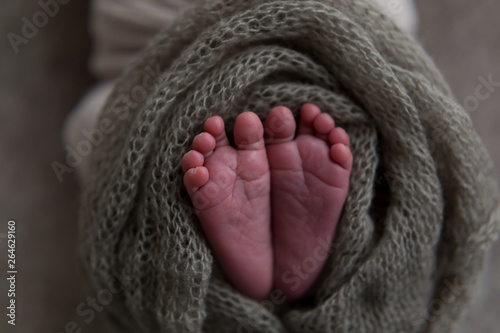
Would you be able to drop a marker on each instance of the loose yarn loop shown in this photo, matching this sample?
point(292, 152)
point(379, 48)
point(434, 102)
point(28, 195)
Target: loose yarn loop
point(420, 213)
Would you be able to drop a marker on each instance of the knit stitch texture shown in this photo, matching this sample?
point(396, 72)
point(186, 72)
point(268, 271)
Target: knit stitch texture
point(422, 207)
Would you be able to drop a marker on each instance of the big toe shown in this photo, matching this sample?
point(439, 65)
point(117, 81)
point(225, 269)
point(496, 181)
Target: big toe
point(248, 132)
point(280, 125)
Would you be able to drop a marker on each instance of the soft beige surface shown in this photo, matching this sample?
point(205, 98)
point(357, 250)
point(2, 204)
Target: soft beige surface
point(40, 84)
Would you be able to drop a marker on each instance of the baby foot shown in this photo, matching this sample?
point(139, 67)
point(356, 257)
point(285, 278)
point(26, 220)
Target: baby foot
point(230, 191)
point(309, 182)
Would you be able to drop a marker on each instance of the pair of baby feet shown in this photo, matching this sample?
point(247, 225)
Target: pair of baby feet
point(269, 207)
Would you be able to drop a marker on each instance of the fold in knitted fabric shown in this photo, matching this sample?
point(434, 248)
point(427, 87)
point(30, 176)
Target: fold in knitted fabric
point(422, 207)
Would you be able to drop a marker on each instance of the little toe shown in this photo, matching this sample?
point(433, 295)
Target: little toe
point(215, 126)
point(280, 125)
point(248, 132)
point(341, 154)
point(204, 143)
point(194, 178)
point(192, 159)
point(308, 113)
point(338, 135)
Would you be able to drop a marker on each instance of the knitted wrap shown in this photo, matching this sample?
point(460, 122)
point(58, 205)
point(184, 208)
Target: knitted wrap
point(422, 207)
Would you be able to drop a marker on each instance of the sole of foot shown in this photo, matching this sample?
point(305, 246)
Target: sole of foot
point(230, 190)
point(309, 183)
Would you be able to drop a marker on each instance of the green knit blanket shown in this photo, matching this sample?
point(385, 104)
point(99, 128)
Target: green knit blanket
point(422, 207)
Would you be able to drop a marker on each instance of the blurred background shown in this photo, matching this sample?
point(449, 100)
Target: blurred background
point(41, 83)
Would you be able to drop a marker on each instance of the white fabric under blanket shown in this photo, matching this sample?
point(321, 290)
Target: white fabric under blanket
point(121, 29)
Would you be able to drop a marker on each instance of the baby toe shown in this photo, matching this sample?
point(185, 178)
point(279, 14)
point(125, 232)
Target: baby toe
point(194, 178)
